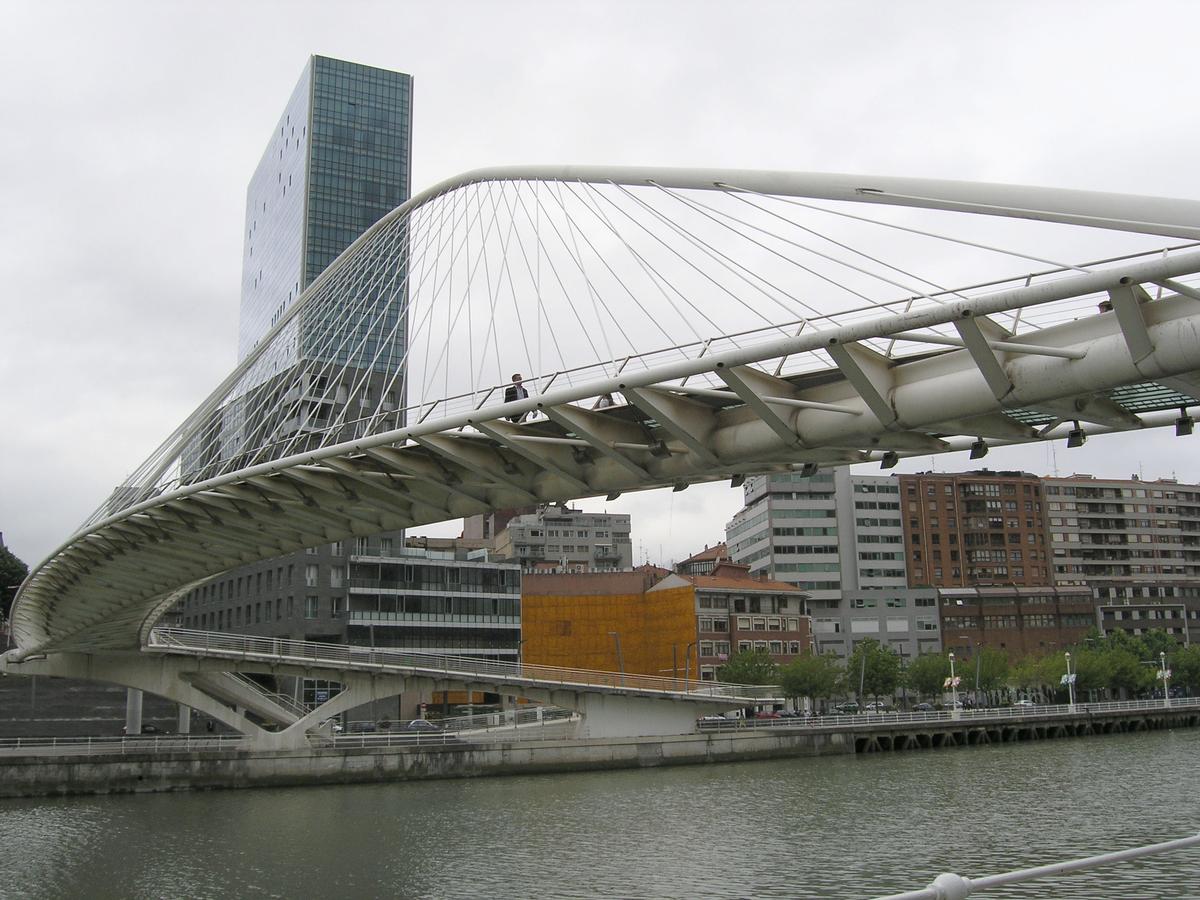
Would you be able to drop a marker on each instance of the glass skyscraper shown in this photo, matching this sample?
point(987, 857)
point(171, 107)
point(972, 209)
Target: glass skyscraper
point(337, 161)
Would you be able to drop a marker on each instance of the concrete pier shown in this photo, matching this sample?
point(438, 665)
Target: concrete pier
point(158, 765)
point(36, 775)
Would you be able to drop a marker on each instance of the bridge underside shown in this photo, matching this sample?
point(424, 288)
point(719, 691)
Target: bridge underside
point(218, 687)
point(1115, 347)
point(1108, 372)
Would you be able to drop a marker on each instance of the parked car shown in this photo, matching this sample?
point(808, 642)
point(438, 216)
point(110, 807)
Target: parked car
point(877, 706)
point(1024, 704)
point(849, 707)
point(766, 714)
point(421, 726)
point(362, 727)
point(923, 707)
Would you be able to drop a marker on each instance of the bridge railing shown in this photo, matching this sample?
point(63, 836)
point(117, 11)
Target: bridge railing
point(268, 649)
point(964, 716)
point(949, 885)
point(108, 746)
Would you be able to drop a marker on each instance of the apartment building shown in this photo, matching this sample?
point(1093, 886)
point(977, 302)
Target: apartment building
point(556, 537)
point(736, 612)
point(969, 529)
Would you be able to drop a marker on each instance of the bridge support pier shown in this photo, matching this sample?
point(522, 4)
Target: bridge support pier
point(133, 711)
point(164, 677)
point(628, 715)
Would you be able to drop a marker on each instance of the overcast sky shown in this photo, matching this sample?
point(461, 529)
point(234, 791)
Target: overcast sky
point(130, 130)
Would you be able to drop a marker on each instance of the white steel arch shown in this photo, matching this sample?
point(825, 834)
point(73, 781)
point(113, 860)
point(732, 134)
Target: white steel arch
point(300, 449)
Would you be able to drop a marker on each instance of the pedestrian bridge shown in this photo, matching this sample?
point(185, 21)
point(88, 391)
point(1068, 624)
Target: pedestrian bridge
point(208, 671)
point(674, 326)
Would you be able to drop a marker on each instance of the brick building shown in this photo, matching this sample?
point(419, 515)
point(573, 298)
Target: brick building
point(734, 612)
point(974, 529)
point(1017, 620)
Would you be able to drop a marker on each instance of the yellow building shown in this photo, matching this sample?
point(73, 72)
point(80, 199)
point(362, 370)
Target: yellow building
point(580, 620)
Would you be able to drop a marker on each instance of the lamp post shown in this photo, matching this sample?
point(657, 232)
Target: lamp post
point(862, 676)
point(616, 636)
point(1070, 680)
point(978, 659)
point(953, 688)
point(687, 665)
point(1165, 674)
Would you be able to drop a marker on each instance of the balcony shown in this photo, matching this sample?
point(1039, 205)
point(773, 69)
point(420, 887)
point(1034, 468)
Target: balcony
point(439, 620)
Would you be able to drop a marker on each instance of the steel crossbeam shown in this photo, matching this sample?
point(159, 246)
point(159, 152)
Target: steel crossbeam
point(707, 411)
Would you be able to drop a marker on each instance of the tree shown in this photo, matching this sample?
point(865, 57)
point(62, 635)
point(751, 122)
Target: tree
point(873, 668)
point(1029, 675)
point(1184, 663)
point(749, 667)
point(1126, 672)
point(811, 676)
point(12, 573)
point(927, 673)
point(992, 667)
point(1155, 642)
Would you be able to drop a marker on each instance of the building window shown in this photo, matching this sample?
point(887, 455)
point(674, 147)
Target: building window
point(310, 607)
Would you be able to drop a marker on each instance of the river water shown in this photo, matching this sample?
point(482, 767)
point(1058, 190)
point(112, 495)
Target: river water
point(832, 827)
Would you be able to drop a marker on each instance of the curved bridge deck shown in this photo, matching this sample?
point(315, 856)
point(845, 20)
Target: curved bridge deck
point(500, 676)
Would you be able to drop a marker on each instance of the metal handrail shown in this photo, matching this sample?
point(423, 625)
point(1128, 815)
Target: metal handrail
point(213, 643)
point(949, 886)
point(98, 746)
point(966, 717)
point(299, 710)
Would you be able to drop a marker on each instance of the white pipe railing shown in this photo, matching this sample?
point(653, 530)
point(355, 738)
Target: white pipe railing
point(949, 886)
point(1004, 714)
point(102, 746)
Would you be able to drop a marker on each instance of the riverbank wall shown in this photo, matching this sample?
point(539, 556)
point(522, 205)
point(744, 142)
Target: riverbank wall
point(37, 775)
point(126, 768)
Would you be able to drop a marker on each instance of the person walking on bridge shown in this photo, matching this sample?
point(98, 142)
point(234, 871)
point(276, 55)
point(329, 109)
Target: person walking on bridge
point(515, 391)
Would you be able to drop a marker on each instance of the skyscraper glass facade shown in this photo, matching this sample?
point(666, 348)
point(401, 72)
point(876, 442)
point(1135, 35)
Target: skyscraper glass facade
point(337, 162)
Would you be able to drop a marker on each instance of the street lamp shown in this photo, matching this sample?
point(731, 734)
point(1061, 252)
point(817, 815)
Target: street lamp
point(953, 688)
point(1165, 674)
point(862, 676)
point(687, 665)
point(1069, 678)
point(978, 659)
point(620, 658)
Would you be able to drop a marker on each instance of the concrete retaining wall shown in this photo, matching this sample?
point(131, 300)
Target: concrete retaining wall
point(34, 776)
